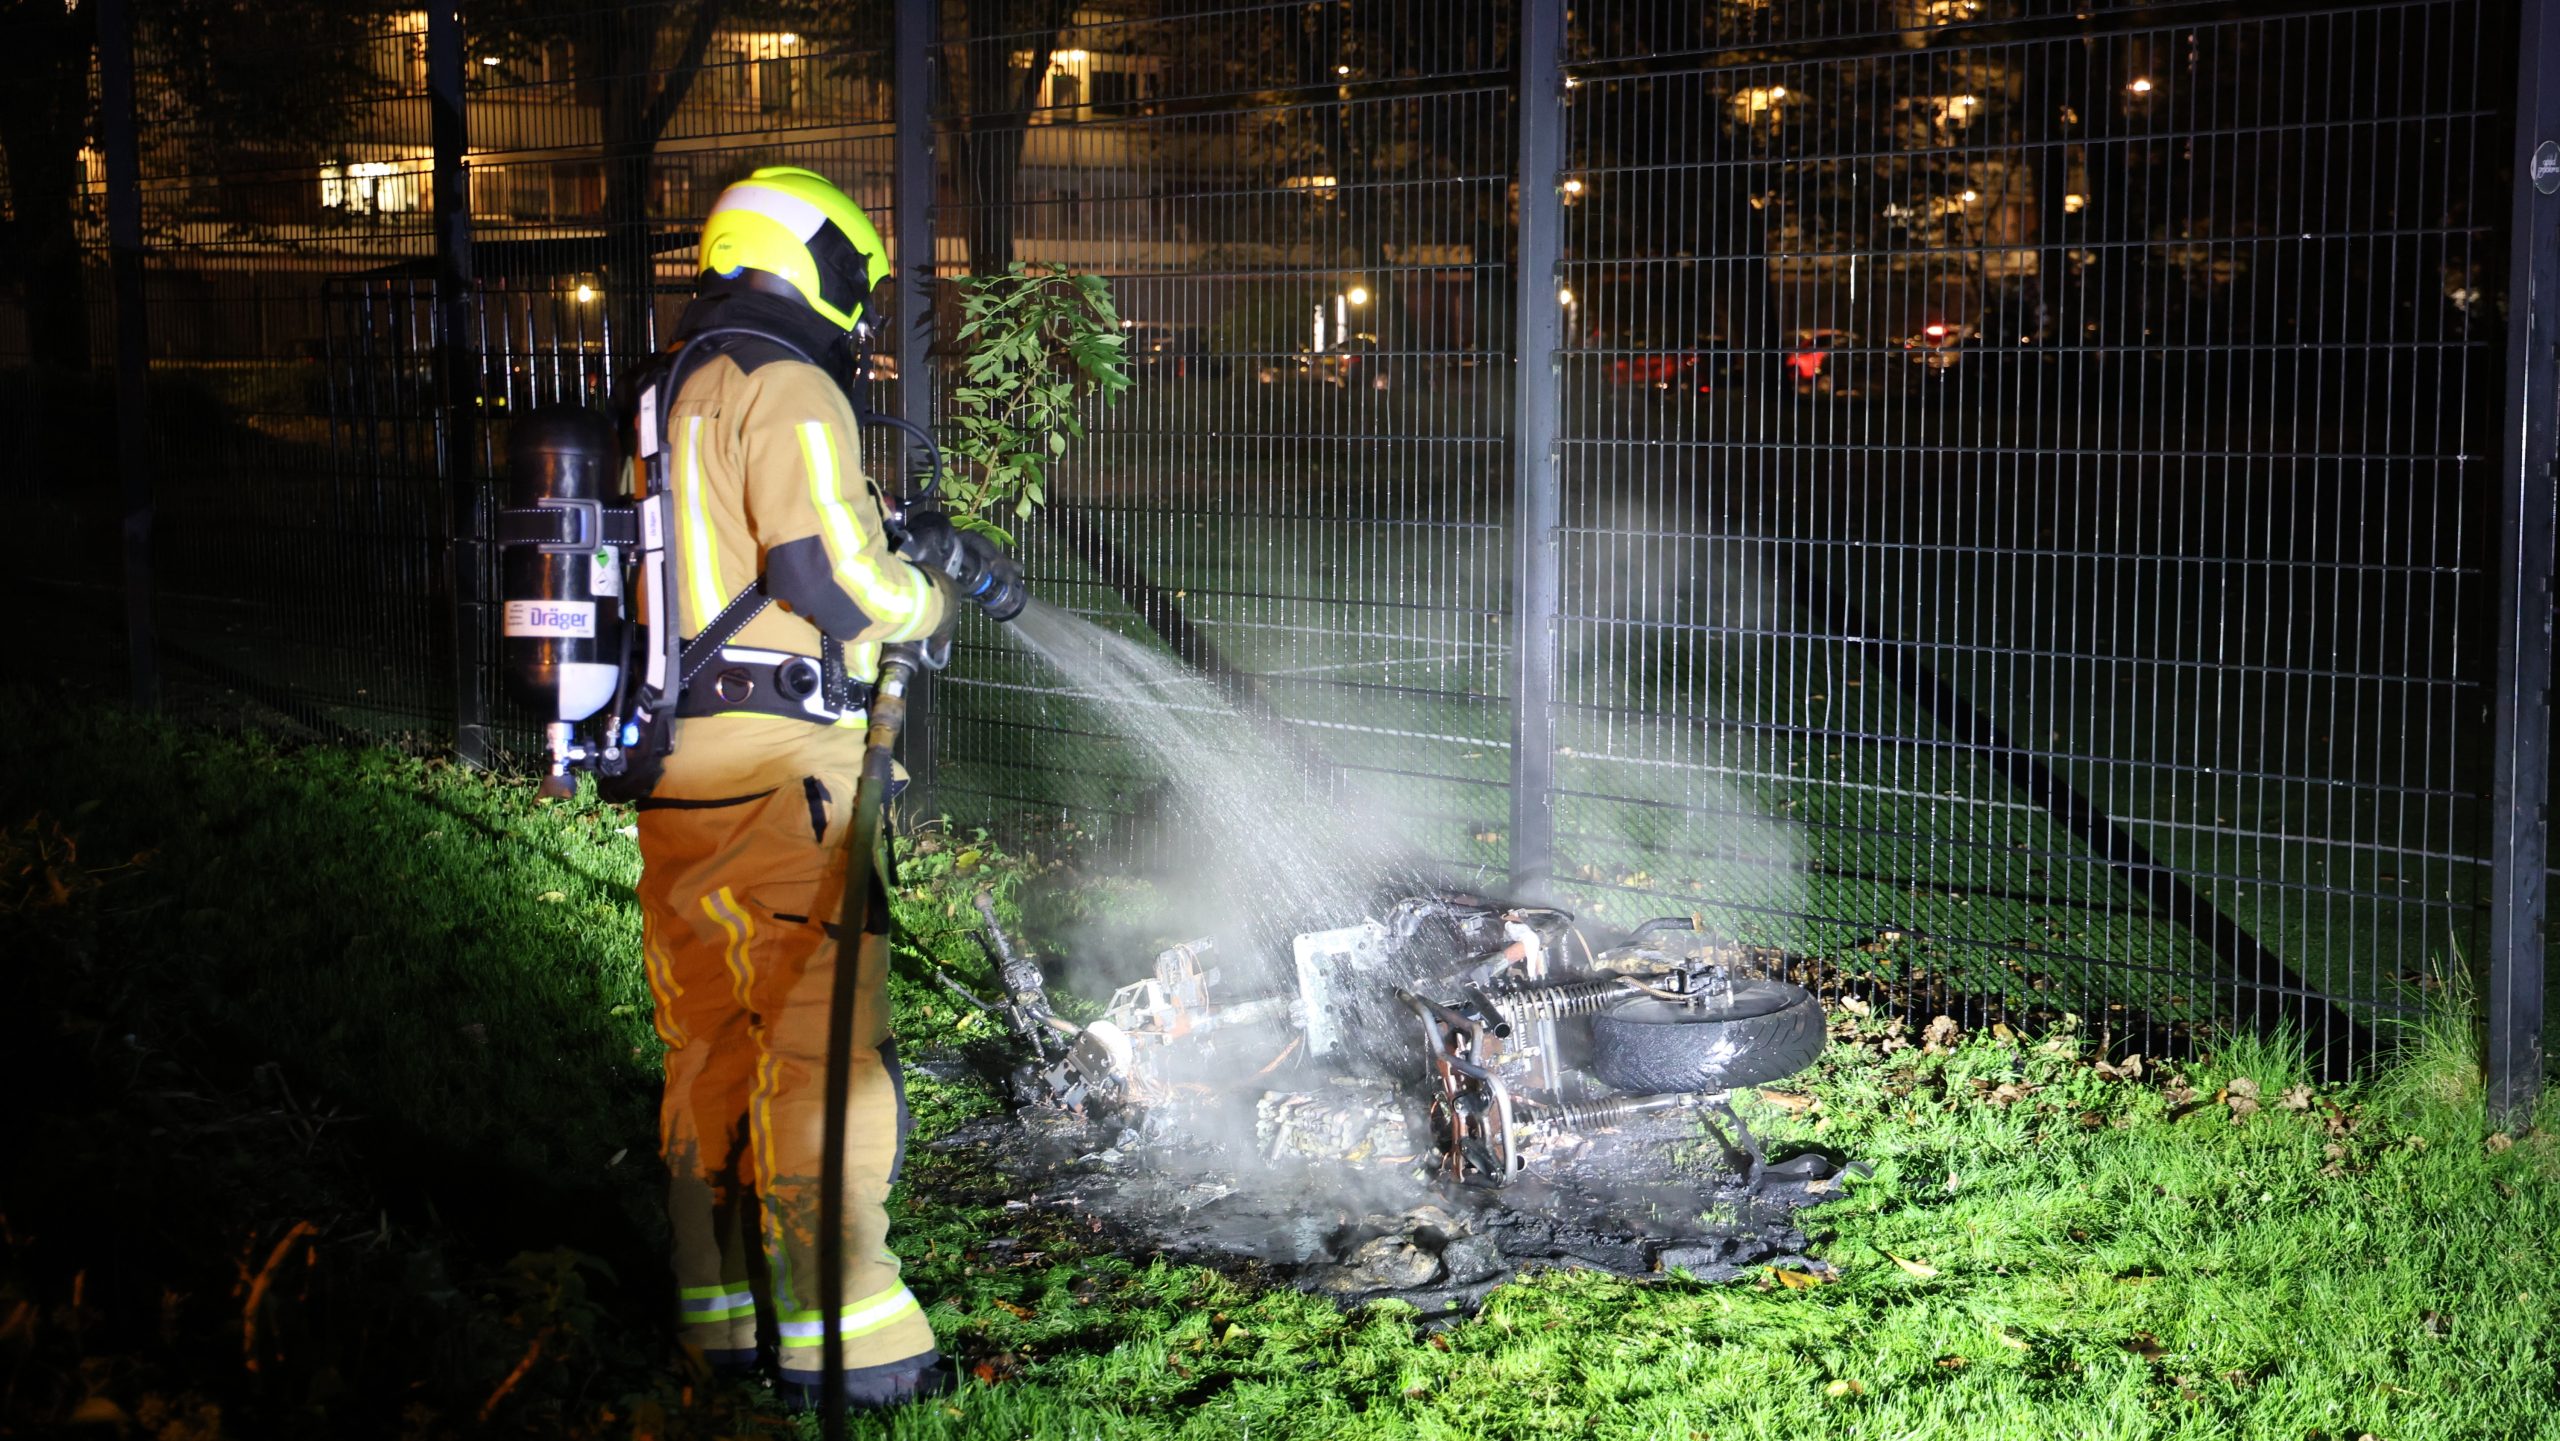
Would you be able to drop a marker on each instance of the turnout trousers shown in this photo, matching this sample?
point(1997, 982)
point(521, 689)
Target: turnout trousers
point(740, 899)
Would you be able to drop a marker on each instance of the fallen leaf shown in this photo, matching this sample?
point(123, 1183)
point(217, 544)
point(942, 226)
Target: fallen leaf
point(1844, 1387)
point(1941, 1035)
point(1795, 1280)
point(1916, 1268)
point(2242, 1107)
point(2007, 1094)
point(2295, 1098)
point(2144, 1345)
point(552, 898)
point(1954, 1363)
point(2243, 1087)
point(2012, 1342)
point(2006, 1035)
point(1789, 1102)
point(2499, 1142)
point(1856, 1007)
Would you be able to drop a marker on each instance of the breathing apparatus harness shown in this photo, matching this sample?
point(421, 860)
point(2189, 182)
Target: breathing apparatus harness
point(572, 550)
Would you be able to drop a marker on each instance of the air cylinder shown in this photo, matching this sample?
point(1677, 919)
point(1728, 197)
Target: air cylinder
point(561, 627)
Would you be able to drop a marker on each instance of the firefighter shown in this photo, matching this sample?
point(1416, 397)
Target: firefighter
point(741, 835)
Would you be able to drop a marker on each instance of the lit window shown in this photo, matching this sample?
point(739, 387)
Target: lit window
point(373, 187)
point(1759, 102)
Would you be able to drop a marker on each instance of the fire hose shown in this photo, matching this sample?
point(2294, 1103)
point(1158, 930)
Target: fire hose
point(862, 846)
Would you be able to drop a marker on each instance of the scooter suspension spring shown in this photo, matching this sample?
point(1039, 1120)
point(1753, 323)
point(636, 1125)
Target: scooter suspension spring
point(1554, 1003)
point(1589, 1115)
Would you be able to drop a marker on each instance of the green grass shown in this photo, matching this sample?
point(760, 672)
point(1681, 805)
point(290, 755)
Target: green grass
point(402, 1003)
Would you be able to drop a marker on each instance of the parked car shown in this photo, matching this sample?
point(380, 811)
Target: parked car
point(1826, 361)
point(1640, 361)
point(1938, 345)
point(1160, 349)
point(1353, 362)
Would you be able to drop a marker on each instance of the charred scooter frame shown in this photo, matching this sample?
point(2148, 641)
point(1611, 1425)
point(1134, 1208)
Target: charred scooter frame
point(1521, 1053)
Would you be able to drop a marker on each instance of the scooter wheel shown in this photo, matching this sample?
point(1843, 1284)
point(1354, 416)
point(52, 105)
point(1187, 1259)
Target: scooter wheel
point(1759, 1031)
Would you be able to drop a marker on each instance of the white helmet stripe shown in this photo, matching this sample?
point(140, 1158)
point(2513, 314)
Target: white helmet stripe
point(798, 216)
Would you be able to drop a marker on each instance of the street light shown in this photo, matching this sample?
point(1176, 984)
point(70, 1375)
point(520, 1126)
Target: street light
point(1573, 187)
point(1358, 295)
point(586, 293)
point(1564, 297)
point(2140, 86)
point(1970, 196)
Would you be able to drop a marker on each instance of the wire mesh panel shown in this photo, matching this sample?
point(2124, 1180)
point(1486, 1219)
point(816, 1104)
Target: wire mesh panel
point(1304, 214)
point(2018, 489)
point(277, 154)
point(2027, 468)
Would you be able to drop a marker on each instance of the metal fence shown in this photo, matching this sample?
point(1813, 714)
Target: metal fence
point(2040, 507)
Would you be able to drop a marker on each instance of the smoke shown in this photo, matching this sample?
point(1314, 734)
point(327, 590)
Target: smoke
point(1685, 681)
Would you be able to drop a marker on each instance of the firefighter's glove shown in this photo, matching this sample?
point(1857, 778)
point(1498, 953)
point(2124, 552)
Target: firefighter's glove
point(934, 651)
point(976, 567)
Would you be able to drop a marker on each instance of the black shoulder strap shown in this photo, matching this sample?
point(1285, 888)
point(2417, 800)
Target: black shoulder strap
point(745, 606)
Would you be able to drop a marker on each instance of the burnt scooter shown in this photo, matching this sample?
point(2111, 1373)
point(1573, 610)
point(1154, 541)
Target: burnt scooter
point(1519, 1042)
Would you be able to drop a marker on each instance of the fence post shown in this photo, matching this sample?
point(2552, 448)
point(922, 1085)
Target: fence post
point(467, 546)
point(133, 340)
point(1537, 506)
point(912, 40)
point(2520, 821)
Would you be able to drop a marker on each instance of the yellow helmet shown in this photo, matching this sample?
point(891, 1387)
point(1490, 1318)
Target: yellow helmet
point(791, 223)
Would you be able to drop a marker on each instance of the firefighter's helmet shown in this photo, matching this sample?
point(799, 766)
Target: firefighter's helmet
point(793, 224)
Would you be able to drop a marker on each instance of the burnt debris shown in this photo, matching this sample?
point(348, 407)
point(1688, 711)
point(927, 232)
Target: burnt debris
point(1424, 1104)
